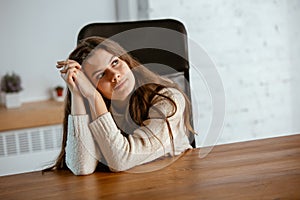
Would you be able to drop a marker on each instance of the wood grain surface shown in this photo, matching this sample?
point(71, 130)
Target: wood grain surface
point(33, 114)
point(261, 169)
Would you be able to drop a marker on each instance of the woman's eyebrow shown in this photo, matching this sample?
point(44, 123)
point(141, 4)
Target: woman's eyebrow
point(100, 70)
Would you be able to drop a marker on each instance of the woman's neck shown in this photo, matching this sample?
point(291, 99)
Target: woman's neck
point(120, 106)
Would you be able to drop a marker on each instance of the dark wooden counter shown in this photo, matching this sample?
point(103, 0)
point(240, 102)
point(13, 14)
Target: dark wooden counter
point(261, 169)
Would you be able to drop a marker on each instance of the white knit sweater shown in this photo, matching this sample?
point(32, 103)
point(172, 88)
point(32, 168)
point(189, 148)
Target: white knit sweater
point(101, 140)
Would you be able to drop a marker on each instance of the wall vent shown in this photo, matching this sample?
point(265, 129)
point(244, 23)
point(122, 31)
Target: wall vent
point(30, 140)
point(28, 150)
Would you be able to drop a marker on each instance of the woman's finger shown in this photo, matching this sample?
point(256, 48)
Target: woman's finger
point(66, 69)
point(70, 77)
point(68, 64)
point(71, 69)
point(62, 62)
point(65, 62)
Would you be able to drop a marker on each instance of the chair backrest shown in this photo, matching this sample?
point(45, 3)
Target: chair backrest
point(160, 45)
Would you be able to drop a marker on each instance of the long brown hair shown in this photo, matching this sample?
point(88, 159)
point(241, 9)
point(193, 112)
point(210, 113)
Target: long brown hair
point(142, 98)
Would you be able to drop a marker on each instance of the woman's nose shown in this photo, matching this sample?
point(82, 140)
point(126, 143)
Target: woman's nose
point(115, 75)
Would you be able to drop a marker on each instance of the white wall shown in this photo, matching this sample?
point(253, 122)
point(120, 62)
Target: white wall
point(255, 45)
point(36, 33)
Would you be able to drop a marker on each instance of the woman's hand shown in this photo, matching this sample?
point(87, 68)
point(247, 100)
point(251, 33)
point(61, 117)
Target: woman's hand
point(78, 83)
point(80, 86)
point(68, 75)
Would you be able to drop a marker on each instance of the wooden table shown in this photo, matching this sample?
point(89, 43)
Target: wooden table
point(261, 169)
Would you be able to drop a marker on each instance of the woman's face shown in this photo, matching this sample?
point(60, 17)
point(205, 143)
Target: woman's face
point(111, 75)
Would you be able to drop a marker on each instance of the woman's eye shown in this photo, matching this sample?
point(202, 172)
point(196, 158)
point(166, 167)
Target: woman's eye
point(115, 62)
point(99, 76)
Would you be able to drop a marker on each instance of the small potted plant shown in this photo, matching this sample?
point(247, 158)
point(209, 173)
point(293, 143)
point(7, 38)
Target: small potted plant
point(10, 88)
point(58, 93)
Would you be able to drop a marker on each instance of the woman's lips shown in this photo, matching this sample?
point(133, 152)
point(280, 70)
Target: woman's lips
point(120, 84)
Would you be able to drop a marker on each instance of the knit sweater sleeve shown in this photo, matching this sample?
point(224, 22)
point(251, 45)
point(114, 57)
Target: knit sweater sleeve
point(82, 155)
point(146, 143)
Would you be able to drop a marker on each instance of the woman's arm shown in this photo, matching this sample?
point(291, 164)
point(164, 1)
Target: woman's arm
point(97, 105)
point(82, 156)
point(122, 153)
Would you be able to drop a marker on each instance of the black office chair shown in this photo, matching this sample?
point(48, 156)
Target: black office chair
point(160, 45)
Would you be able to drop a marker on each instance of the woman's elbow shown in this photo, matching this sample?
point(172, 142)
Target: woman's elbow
point(81, 170)
point(119, 167)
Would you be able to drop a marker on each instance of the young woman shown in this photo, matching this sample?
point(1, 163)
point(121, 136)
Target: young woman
point(117, 112)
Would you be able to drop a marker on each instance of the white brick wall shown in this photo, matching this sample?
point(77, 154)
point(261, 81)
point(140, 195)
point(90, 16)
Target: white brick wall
point(255, 45)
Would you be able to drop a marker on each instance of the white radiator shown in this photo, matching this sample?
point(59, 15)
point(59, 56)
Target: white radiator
point(29, 150)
